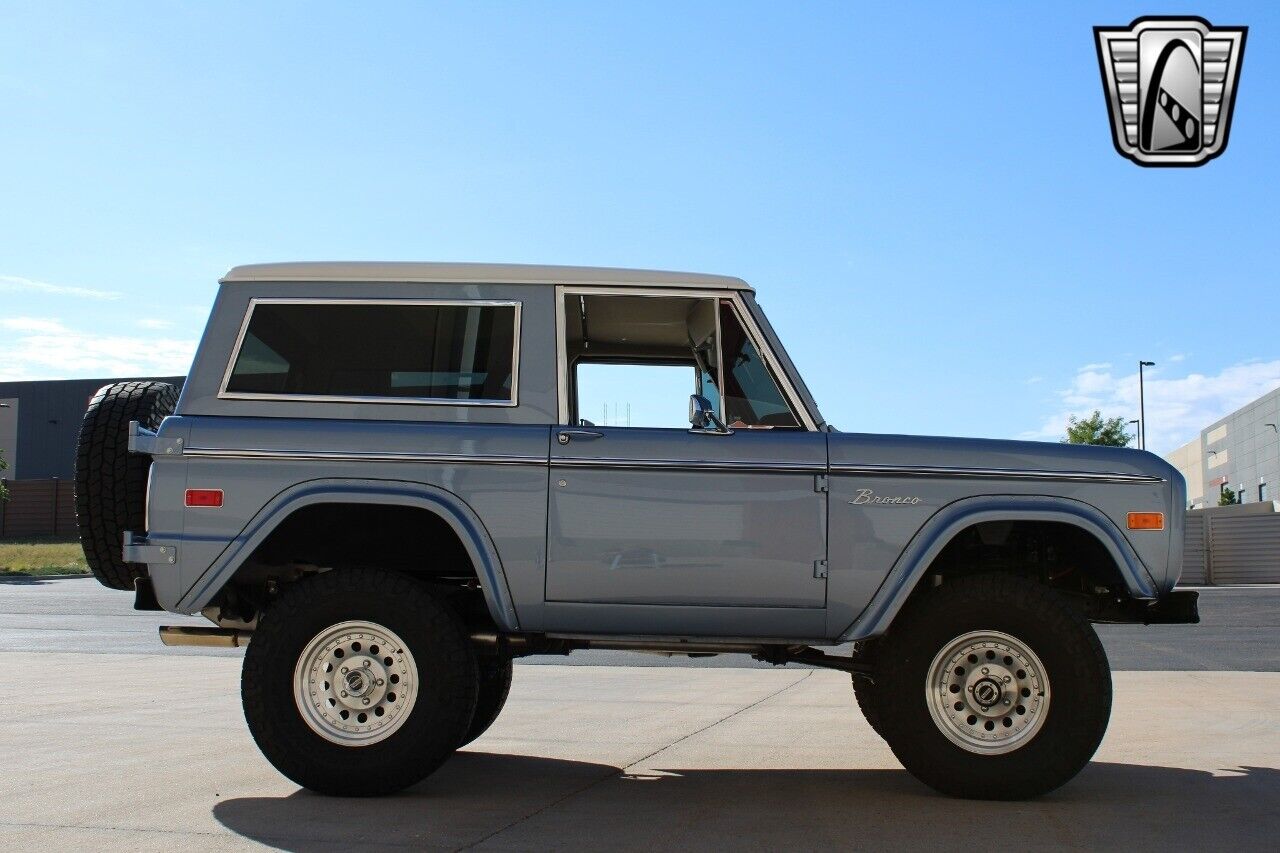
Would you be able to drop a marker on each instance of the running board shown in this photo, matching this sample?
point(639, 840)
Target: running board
point(223, 638)
point(778, 654)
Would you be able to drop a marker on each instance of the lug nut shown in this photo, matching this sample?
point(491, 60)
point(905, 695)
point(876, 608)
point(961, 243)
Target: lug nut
point(366, 663)
point(986, 671)
point(378, 682)
point(365, 701)
point(344, 670)
point(344, 694)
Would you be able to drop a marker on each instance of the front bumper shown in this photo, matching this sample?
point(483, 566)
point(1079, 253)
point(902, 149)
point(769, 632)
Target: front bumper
point(1180, 607)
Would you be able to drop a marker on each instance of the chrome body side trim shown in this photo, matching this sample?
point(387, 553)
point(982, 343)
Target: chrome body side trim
point(668, 464)
point(691, 465)
point(224, 394)
point(992, 473)
point(457, 459)
point(346, 456)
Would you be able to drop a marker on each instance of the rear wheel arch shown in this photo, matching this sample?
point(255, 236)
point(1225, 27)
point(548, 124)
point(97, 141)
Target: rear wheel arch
point(912, 570)
point(442, 505)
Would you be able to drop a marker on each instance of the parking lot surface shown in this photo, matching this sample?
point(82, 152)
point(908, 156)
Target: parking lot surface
point(133, 746)
point(148, 752)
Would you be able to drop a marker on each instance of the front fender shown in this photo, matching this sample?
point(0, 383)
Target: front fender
point(939, 530)
point(448, 506)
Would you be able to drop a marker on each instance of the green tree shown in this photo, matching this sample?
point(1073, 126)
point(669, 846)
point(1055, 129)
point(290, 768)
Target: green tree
point(4, 493)
point(1097, 430)
point(1227, 496)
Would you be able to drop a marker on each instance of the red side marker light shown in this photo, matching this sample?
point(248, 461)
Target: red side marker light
point(204, 497)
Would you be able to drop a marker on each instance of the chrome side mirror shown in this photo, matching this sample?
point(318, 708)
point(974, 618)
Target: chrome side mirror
point(703, 417)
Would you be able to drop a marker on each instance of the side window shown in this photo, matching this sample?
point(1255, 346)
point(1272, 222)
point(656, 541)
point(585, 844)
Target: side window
point(635, 395)
point(454, 353)
point(751, 396)
point(634, 360)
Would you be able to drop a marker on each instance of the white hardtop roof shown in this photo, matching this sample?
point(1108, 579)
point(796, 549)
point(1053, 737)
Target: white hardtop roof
point(402, 271)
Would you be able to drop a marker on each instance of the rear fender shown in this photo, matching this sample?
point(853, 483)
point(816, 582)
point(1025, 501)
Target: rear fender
point(925, 546)
point(444, 504)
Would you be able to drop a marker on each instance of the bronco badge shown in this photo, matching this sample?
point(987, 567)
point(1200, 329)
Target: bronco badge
point(866, 496)
point(1170, 85)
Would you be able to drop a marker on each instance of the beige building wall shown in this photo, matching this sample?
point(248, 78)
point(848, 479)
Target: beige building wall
point(1188, 459)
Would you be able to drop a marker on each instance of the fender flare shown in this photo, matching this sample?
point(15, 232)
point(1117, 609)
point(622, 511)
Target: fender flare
point(448, 506)
point(945, 524)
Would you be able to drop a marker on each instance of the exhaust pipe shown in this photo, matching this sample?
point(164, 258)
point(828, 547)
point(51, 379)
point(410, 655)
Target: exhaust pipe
point(223, 638)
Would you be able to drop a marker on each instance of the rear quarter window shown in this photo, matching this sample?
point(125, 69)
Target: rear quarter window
point(443, 352)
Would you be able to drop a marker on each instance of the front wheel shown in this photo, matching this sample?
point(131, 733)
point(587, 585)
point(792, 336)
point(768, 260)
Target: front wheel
point(358, 682)
point(992, 687)
point(495, 687)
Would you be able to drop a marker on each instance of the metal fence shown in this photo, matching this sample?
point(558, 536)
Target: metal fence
point(38, 508)
point(1232, 545)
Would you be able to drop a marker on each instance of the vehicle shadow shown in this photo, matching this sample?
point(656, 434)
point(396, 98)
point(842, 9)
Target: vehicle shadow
point(526, 802)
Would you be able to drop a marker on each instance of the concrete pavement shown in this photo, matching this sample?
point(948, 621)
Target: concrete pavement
point(149, 752)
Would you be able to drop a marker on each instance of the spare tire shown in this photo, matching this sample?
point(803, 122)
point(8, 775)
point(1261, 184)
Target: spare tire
point(111, 482)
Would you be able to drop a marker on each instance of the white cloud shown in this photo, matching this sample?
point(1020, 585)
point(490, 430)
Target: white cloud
point(1101, 365)
point(1033, 380)
point(49, 349)
point(151, 323)
point(1177, 408)
point(17, 284)
point(1176, 357)
point(32, 324)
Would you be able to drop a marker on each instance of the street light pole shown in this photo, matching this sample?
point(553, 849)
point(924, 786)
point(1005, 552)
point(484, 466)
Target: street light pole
point(1138, 431)
point(1142, 406)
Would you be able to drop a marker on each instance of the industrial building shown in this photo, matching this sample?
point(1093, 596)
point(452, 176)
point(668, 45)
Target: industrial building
point(40, 423)
point(1240, 452)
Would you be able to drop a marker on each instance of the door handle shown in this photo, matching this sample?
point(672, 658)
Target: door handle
point(584, 434)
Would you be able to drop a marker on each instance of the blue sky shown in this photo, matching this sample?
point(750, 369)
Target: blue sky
point(926, 197)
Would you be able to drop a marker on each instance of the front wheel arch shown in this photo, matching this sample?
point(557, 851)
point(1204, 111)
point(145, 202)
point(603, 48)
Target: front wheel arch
point(914, 562)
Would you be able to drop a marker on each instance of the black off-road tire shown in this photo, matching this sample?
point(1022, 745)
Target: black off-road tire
point(865, 694)
point(495, 686)
point(864, 690)
point(1074, 662)
point(111, 482)
point(446, 682)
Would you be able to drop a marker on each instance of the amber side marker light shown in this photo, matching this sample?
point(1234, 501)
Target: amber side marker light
point(1146, 521)
point(204, 497)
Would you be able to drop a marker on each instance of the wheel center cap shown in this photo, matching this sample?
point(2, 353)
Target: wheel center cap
point(987, 692)
point(358, 683)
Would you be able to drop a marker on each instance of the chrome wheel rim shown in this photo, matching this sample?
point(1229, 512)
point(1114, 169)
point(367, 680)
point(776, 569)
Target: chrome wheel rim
point(987, 692)
point(355, 683)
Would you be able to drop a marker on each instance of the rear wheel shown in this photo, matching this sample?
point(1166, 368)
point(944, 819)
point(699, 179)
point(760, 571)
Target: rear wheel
point(992, 687)
point(111, 482)
point(358, 682)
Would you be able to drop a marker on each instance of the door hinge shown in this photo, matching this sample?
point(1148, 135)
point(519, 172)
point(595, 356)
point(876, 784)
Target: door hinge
point(819, 568)
point(820, 482)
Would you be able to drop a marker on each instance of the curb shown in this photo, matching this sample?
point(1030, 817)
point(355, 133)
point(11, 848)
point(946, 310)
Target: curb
point(46, 577)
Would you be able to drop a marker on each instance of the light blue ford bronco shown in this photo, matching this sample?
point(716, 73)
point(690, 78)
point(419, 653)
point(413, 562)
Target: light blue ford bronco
point(387, 480)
